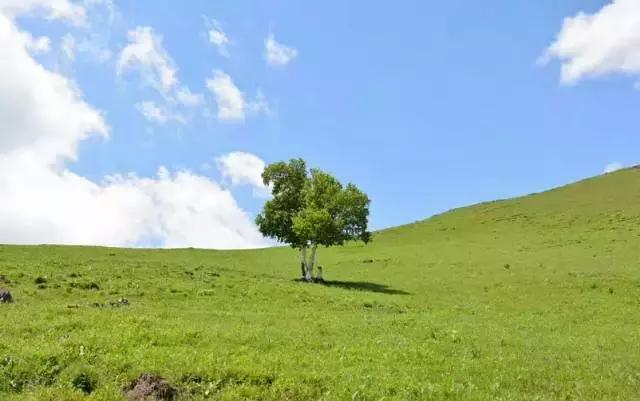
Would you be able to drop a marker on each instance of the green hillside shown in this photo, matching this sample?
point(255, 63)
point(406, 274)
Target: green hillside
point(535, 298)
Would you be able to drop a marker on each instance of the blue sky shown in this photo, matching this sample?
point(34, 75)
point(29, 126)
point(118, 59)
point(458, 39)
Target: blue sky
point(424, 105)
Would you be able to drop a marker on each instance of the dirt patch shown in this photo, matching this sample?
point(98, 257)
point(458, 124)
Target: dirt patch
point(150, 387)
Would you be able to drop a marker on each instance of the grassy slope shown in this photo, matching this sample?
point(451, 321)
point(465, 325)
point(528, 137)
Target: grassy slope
point(536, 298)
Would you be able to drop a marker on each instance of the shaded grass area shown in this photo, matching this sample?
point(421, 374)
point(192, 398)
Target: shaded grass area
point(536, 298)
point(364, 286)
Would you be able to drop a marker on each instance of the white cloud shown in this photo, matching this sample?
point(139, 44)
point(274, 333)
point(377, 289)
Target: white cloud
point(243, 168)
point(41, 44)
point(231, 102)
point(36, 102)
point(43, 118)
point(52, 9)
point(188, 98)
point(278, 54)
point(606, 42)
point(146, 53)
point(611, 167)
point(42, 205)
point(157, 114)
point(92, 40)
point(152, 112)
point(259, 105)
point(70, 47)
point(219, 38)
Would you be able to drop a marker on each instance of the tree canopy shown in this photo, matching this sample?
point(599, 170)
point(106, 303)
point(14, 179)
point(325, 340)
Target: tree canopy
point(311, 208)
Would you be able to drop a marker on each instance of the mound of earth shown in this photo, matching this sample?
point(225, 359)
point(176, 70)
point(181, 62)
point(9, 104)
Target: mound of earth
point(150, 387)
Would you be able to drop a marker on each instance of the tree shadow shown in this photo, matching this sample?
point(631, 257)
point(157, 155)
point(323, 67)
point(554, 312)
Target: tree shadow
point(365, 286)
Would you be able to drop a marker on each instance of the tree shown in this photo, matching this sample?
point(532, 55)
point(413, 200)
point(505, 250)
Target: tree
point(310, 209)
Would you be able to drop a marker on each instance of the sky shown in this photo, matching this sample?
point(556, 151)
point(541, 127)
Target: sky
point(148, 122)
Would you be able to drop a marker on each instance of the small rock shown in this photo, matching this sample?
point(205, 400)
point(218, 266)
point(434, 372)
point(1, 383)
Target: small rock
point(5, 296)
point(120, 302)
point(150, 387)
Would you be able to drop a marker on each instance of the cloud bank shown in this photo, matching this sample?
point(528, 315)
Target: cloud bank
point(43, 119)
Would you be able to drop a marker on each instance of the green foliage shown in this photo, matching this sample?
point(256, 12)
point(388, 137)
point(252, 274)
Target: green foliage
point(332, 215)
point(428, 311)
point(287, 182)
point(312, 208)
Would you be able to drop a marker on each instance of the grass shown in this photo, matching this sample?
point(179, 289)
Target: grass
point(535, 298)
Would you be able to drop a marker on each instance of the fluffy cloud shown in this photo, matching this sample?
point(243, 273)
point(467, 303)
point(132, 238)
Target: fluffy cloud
point(43, 205)
point(231, 102)
point(219, 39)
point(40, 110)
point(278, 54)
point(43, 118)
point(243, 168)
point(591, 45)
point(611, 167)
point(146, 54)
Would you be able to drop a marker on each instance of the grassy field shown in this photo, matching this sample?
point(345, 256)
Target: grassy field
point(535, 298)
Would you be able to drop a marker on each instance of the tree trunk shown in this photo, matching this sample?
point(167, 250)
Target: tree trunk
point(309, 273)
point(303, 262)
point(311, 264)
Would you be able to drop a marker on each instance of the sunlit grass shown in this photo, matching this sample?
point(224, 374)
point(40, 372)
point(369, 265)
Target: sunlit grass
point(536, 298)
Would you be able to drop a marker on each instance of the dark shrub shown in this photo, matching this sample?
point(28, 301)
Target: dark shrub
point(84, 383)
point(5, 296)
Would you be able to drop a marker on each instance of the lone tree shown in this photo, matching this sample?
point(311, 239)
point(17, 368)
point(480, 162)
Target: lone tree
point(311, 208)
